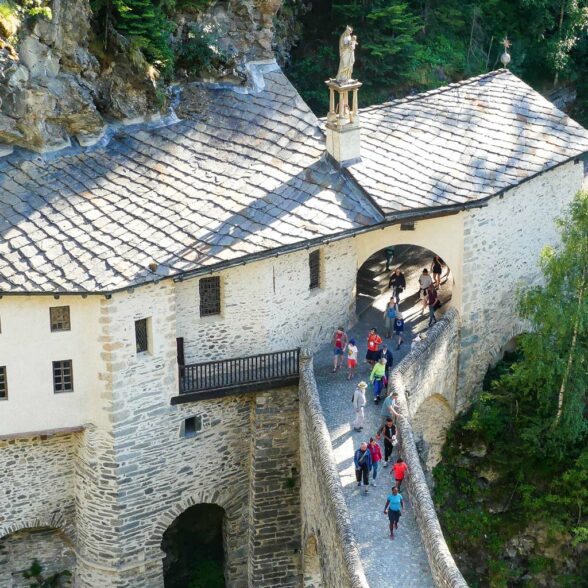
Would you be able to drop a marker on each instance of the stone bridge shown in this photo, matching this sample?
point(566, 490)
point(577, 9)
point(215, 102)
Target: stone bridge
point(345, 534)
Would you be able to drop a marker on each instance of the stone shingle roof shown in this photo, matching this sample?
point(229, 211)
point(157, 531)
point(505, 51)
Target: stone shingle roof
point(461, 143)
point(240, 174)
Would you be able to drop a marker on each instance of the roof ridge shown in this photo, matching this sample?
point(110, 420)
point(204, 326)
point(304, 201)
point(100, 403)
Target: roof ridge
point(435, 91)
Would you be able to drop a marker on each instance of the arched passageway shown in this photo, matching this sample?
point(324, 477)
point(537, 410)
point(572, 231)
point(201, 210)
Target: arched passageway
point(194, 549)
point(373, 291)
point(43, 552)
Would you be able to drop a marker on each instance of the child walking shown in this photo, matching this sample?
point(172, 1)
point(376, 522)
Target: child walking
point(352, 352)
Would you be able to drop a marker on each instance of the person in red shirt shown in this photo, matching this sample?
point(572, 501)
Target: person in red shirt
point(376, 453)
point(400, 470)
point(373, 347)
point(339, 342)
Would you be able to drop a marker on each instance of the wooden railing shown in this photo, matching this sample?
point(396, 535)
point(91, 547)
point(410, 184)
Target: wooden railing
point(231, 373)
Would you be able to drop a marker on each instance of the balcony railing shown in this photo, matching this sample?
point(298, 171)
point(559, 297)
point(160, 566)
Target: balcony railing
point(247, 373)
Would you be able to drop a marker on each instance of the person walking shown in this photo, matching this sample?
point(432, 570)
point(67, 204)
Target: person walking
point(363, 464)
point(393, 508)
point(388, 431)
point(389, 316)
point(377, 378)
point(437, 269)
point(389, 257)
point(352, 352)
point(399, 329)
point(373, 347)
point(376, 455)
point(388, 407)
point(433, 302)
point(400, 471)
point(339, 342)
point(358, 400)
point(397, 284)
point(387, 355)
point(425, 281)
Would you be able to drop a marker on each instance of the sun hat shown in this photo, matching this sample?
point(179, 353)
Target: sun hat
point(362, 385)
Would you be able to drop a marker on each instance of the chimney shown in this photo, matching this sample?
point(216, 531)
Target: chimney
point(343, 130)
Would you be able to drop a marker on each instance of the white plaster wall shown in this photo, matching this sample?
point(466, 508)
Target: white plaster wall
point(268, 306)
point(502, 244)
point(28, 348)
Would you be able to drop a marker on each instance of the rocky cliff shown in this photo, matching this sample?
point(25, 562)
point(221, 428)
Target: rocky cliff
point(59, 80)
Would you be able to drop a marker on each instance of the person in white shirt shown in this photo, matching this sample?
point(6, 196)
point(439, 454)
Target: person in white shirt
point(358, 404)
point(425, 280)
point(352, 352)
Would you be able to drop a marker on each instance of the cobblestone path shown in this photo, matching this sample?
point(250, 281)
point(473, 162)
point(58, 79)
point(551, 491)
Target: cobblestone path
point(400, 563)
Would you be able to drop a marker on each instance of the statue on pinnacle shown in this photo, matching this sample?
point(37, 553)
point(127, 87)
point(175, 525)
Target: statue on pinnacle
point(347, 44)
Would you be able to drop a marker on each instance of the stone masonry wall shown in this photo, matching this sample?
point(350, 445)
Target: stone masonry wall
point(418, 376)
point(268, 306)
point(502, 244)
point(325, 518)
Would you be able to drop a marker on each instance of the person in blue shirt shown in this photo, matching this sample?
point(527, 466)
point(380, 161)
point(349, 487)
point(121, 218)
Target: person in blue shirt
point(394, 507)
point(363, 465)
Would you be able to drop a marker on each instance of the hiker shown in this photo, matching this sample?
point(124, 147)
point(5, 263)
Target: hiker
point(389, 316)
point(399, 329)
point(358, 400)
point(434, 304)
point(376, 455)
point(377, 378)
point(397, 284)
point(388, 431)
point(393, 508)
point(352, 352)
point(373, 344)
point(339, 342)
point(425, 281)
point(389, 257)
point(388, 407)
point(437, 269)
point(363, 464)
point(400, 470)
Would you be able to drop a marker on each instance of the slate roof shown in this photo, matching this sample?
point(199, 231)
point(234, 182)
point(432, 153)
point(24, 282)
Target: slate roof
point(461, 143)
point(240, 174)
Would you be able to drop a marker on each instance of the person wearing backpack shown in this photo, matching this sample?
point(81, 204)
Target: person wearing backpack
point(363, 464)
point(399, 329)
point(389, 316)
point(339, 343)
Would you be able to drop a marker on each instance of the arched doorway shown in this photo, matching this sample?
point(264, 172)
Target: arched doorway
point(39, 555)
point(194, 548)
point(372, 286)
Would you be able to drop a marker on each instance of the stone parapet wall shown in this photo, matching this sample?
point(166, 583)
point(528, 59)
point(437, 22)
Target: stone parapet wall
point(423, 373)
point(326, 523)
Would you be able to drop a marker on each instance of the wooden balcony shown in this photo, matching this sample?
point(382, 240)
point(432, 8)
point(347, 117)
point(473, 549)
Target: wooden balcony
point(213, 379)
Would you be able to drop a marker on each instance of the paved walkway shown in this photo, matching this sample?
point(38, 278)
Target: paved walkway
point(400, 563)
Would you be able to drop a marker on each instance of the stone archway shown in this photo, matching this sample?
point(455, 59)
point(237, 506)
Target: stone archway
point(49, 546)
point(194, 545)
point(311, 564)
point(429, 424)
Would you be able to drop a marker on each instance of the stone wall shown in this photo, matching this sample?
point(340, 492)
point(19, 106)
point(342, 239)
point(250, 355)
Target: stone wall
point(268, 306)
point(502, 244)
point(420, 375)
point(326, 525)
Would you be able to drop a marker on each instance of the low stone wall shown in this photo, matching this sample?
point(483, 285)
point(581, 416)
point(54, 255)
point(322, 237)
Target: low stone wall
point(427, 371)
point(325, 518)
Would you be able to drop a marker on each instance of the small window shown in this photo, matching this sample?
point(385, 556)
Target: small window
point(314, 264)
point(407, 226)
point(192, 425)
point(62, 376)
point(142, 335)
point(3, 384)
point(210, 296)
point(59, 318)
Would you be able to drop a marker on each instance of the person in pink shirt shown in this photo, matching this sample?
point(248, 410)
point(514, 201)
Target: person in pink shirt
point(376, 454)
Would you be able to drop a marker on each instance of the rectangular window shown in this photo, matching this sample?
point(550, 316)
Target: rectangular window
point(142, 335)
point(314, 264)
point(3, 384)
point(62, 376)
point(407, 226)
point(210, 296)
point(59, 316)
point(192, 425)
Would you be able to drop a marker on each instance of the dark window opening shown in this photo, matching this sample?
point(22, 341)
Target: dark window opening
point(407, 226)
point(142, 335)
point(59, 316)
point(314, 264)
point(192, 425)
point(3, 384)
point(62, 376)
point(210, 296)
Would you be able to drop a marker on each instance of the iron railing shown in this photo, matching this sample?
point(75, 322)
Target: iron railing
point(230, 373)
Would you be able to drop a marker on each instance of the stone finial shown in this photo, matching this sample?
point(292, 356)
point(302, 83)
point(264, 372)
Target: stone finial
point(505, 57)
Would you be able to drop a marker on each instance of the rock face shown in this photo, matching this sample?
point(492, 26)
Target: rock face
point(57, 81)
